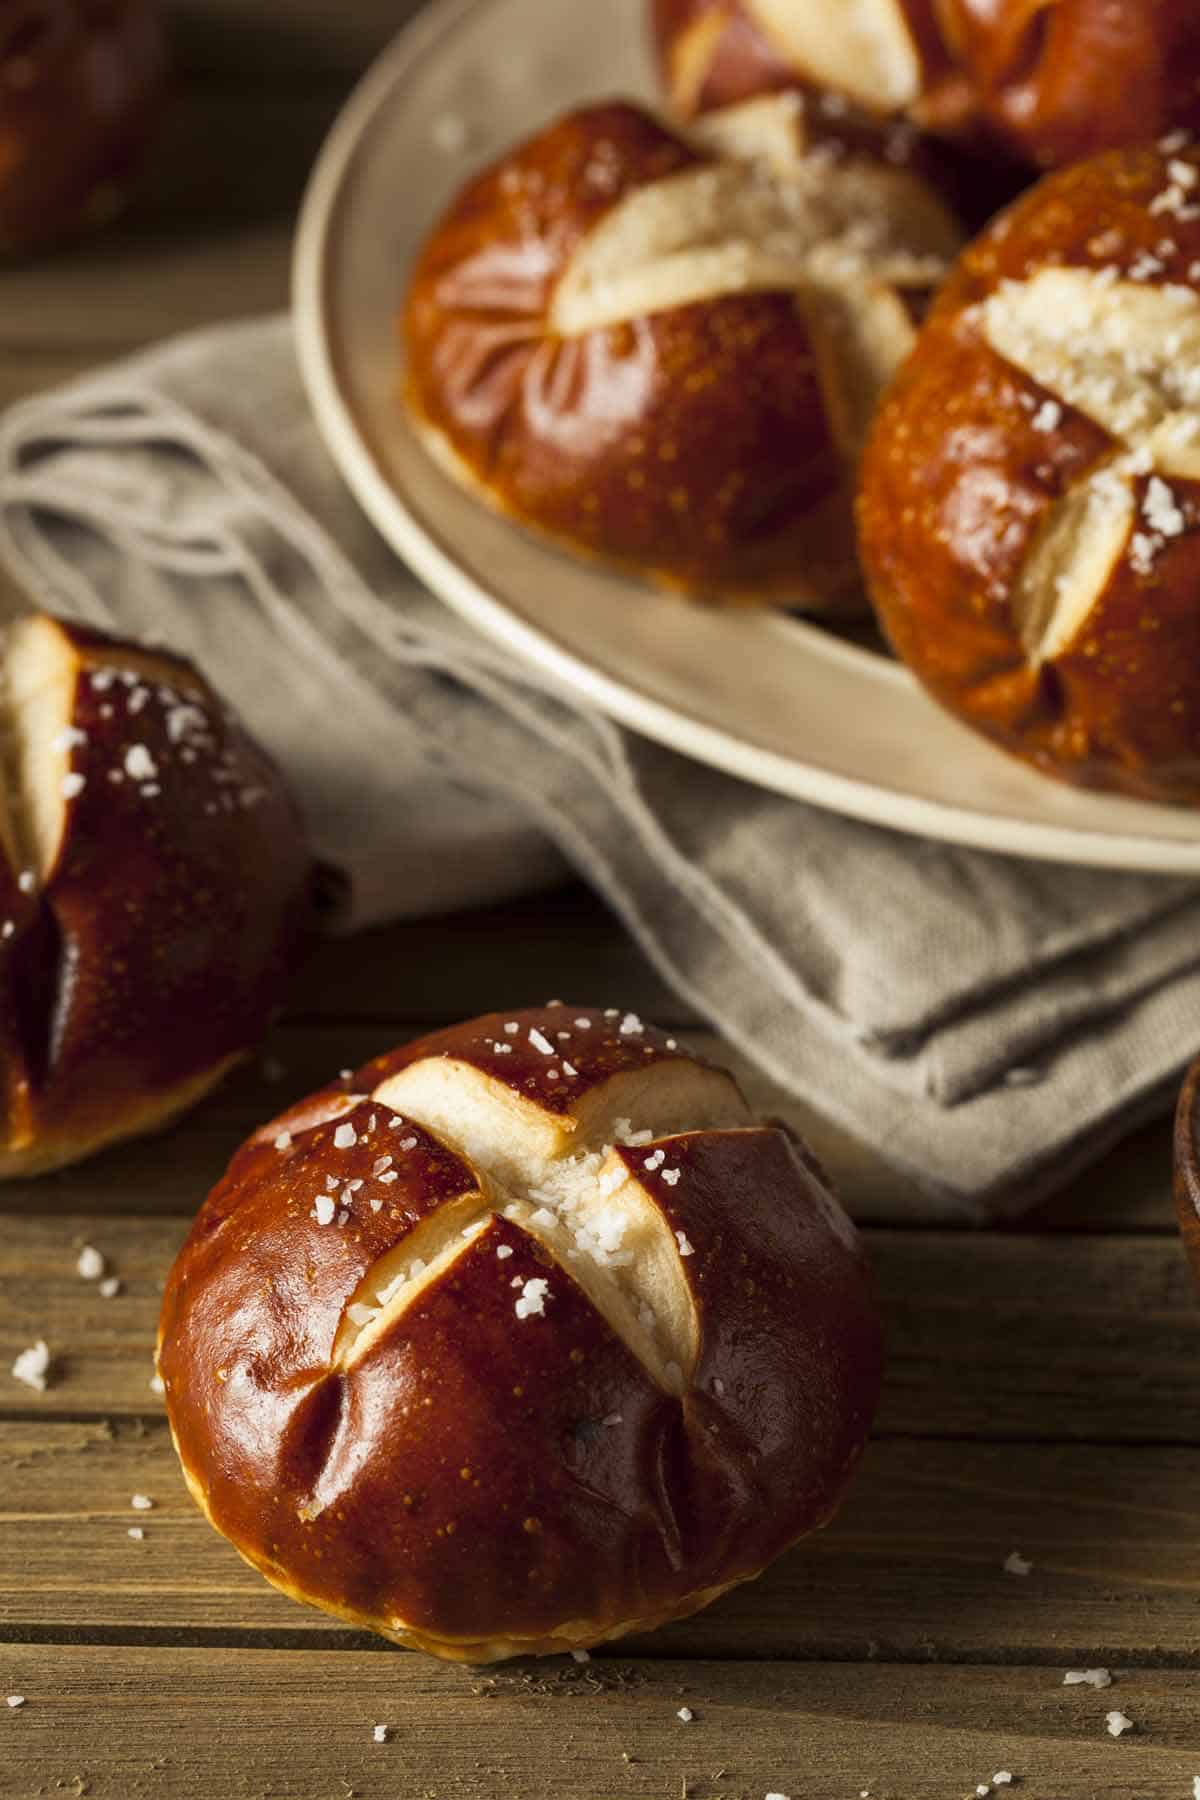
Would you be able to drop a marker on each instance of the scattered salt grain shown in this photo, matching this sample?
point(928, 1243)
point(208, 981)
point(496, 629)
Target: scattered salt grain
point(322, 1210)
point(631, 1026)
point(385, 1180)
point(502, 1251)
point(656, 1160)
point(68, 738)
point(611, 1419)
point(344, 1137)
point(109, 1288)
point(1016, 1564)
point(135, 1531)
point(777, 1797)
point(983, 1790)
point(15, 1700)
point(582, 1024)
point(512, 1026)
point(580, 1656)
point(33, 1366)
point(408, 1143)
point(1002, 1778)
point(1097, 1678)
point(541, 1043)
point(139, 764)
point(1048, 416)
point(532, 1298)
point(91, 1264)
point(284, 1141)
point(1116, 1723)
point(686, 1714)
point(27, 881)
point(681, 1238)
point(157, 1385)
point(1195, 1784)
point(72, 784)
point(718, 1386)
point(380, 1734)
point(141, 1502)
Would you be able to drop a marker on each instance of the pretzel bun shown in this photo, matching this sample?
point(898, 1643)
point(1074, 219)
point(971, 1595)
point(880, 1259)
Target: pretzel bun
point(153, 884)
point(664, 352)
point(81, 82)
point(519, 1338)
point(1041, 81)
point(1031, 489)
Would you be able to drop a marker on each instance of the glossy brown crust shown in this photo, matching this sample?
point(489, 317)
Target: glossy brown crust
point(81, 85)
point(691, 445)
point(478, 1483)
point(157, 946)
point(1038, 82)
point(956, 481)
point(1187, 1166)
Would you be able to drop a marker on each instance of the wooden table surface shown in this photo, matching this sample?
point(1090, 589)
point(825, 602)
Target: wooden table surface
point(1040, 1395)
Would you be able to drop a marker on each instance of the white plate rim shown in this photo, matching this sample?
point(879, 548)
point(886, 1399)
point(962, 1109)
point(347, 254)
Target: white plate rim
point(329, 191)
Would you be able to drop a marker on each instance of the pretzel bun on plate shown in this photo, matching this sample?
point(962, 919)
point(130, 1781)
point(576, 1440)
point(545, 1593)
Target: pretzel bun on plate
point(154, 887)
point(519, 1338)
point(81, 85)
point(1031, 489)
point(664, 351)
point(1041, 82)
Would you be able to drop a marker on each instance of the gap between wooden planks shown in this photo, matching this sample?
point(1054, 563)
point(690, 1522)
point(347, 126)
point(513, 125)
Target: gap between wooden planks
point(116, 1723)
point(910, 1570)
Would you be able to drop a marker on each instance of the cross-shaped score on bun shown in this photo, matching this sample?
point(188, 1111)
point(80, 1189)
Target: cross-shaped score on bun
point(522, 1337)
point(1128, 356)
point(663, 350)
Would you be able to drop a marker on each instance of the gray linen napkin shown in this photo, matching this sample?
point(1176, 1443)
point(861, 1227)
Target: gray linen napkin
point(986, 1024)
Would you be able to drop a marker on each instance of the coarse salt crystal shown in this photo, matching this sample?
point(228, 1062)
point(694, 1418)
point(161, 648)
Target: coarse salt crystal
point(359, 1314)
point(779, 1796)
point(656, 1160)
point(541, 1043)
point(1097, 1678)
point(380, 1734)
point(686, 1714)
point(582, 1024)
point(385, 1180)
point(631, 1026)
point(502, 1251)
point(33, 1366)
point(1016, 1564)
point(68, 738)
point(681, 1238)
point(1002, 1778)
point(344, 1137)
point(157, 1385)
point(284, 1141)
point(139, 764)
point(611, 1419)
point(376, 1205)
point(569, 1069)
point(611, 1180)
point(27, 881)
point(72, 785)
point(15, 1700)
point(670, 1176)
point(1048, 416)
point(135, 1531)
point(533, 1296)
point(512, 1026)
point(1116, 1723)
point(408, 1143)
point(322, 1210)
point(381, 1164)
point(109, 1288)
point(141, 1502)
point(91, 1265)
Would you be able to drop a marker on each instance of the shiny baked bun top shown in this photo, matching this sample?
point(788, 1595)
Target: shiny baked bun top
point(521, 1337)
point(1043, 82)
point(664, 350)
point(154, 889)
point(1031, 490)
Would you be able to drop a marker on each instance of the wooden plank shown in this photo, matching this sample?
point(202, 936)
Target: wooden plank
point(298, 1726)
point(911, 1569)
point(1071, 1339)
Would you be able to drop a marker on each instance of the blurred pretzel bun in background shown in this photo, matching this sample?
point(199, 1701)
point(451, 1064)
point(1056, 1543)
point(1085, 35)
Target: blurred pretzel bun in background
point(1031, 488)
point(1042, 82)
point(81, 83)
point(664, 350)
point(521, 1337)
point(154, 887)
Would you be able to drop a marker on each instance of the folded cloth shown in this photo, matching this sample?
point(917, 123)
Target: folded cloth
point(987, 1024)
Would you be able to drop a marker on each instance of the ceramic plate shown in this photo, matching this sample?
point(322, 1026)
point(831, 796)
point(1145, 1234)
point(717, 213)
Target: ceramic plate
point(779, 702)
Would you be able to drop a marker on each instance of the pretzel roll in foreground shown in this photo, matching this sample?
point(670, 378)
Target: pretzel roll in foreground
point(1030, 495)
point(154, 884)
point(1042, 82)
point(81, 84)
point(522, 1337)
point(664, 352)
